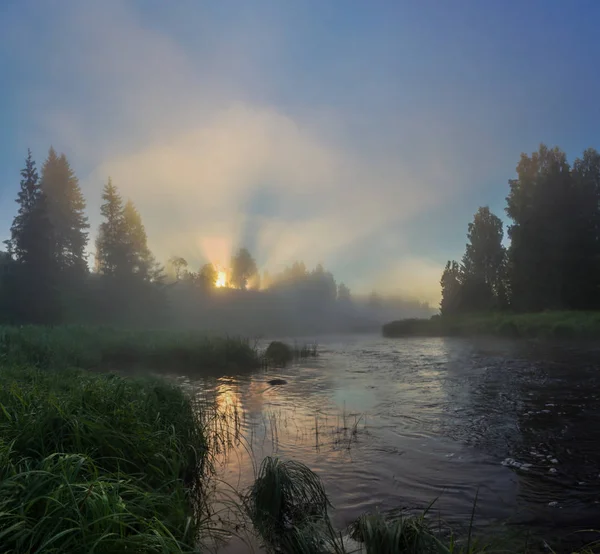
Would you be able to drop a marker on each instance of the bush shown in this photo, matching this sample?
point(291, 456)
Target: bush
point(279, 353)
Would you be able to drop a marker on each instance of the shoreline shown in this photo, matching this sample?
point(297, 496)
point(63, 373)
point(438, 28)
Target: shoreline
point(543, 325)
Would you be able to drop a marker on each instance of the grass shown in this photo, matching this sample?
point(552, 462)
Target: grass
point(97, 463)
point(584, 325)
point(107, 348)
point(288, 507)
point(280, 353)
point(285, 496)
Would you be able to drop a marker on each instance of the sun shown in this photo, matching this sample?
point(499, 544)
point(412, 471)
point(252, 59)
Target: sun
point(221, 279)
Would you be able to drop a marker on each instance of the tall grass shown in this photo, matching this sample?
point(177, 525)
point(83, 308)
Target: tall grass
point(288, 507)
point(280, 353)
point(97, 463)
point(108, 348)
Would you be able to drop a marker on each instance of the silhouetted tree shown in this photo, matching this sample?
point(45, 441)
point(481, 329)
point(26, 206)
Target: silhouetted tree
point(583, 254)
point(482, 263)
point(540, 203)
point(66, 207)
point(111, 244)
point(141, 262)
point(451, 282)
point(343, 294)
point(243, 268)
point(208, 276)
point(32, 291)
point(178, 264)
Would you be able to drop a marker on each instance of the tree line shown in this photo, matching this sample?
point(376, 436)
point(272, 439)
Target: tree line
point(46, 278)
point(553, 258)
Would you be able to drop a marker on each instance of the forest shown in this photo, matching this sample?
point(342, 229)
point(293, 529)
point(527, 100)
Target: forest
point(46, 278)
point(552, 261)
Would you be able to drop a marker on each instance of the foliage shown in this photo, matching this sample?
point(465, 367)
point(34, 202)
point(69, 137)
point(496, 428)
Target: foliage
point(243, 268)
point(208, 276)
point(179, 265)
point(31, 287)
point(279, 353)
point(73, 445)
point(567, 324)
point(284, 496)
point(553, 261)
point(452, 291)
point(66, 207)
point(111, 249)
point(92, 348)
point(343, 294)
point(394, 536)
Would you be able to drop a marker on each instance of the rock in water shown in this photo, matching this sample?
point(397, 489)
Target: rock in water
point(274, 382)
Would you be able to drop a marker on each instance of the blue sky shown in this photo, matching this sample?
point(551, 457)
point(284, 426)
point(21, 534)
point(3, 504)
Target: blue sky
point(360, 134)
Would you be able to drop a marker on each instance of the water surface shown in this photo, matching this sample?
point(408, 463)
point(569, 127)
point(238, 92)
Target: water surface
point(399, 423)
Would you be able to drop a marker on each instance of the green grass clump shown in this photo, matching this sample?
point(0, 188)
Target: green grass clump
point(279, 353)
point(108, 348)
point(286, 496)
point(393, 536)
point(544, 325)
point(97, 463)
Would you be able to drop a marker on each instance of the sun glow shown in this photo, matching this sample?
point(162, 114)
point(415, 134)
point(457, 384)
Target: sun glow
point(221, 279)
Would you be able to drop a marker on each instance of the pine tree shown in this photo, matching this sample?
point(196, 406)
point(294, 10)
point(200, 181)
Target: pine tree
point(141, 262)
point(111, 243)
point(32, 288)
point(66, 209)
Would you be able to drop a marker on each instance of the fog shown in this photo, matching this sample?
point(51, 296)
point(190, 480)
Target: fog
point(197, 117)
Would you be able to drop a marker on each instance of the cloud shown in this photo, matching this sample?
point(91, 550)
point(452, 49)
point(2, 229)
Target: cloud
point(189, 134)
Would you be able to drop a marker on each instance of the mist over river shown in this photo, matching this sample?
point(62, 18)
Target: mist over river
point(398, 423)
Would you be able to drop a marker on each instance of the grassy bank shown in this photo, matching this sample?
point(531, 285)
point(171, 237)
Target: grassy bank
point(96, 463)
point(108, 348)
point(585, 325)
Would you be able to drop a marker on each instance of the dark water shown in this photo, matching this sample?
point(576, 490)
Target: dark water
point(391, 424)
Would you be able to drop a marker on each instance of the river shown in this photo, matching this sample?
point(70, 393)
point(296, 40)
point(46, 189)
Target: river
point(390, 424)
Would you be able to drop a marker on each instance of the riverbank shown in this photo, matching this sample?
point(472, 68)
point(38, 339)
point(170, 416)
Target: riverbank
point(111, 348)
point(93, 461)
point(583, 325)
point(97, 463)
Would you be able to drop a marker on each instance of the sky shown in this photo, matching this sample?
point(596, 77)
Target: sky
point(362, 135)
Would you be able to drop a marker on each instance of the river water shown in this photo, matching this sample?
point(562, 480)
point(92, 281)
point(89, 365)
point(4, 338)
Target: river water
point(395, 424)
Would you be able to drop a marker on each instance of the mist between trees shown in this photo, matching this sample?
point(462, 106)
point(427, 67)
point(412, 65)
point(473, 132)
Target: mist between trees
point(46, 278)
point(553, 260)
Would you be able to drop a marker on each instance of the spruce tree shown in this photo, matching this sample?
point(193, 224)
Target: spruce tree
point(141, 262)
point(66, 209)
point(111, 243)
point(32, 287)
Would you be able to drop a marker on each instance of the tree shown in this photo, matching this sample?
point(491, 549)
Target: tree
point(111, 244)
point(243, 268)
point(451, 283)
point(583, 269)
point(141, 262)
point(66, 207)
point(482, 263)
point(541, 206)
point(32, 287)
point(178, 264)
point(343, 294)
point(208, 276)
